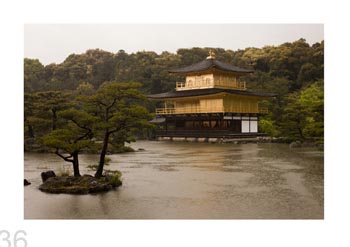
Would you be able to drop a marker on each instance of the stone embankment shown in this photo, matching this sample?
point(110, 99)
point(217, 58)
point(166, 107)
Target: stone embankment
point(259, 139)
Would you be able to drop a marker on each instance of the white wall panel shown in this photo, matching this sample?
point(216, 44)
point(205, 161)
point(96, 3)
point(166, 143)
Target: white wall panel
point(245, 126)
point(254, 126)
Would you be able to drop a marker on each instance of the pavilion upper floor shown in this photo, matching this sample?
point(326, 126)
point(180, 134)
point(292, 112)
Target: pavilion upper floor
point(215, 103)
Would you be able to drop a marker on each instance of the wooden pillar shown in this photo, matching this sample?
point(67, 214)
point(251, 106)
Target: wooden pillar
point(166, 125)
point(249, 122)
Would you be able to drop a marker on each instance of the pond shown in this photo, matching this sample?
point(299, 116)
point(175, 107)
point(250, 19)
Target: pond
point(182, 180)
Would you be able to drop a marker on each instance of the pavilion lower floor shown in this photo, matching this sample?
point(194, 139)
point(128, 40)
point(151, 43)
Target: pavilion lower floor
point(208, 126)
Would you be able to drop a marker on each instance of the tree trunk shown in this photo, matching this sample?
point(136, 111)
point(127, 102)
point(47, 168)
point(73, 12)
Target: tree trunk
point(30, 131)
point(300, 131)
point(54, 119)
point(301, 134)
point(76, 164)
point(99, 171)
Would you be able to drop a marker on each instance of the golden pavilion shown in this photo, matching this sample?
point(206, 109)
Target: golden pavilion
point(212, 102)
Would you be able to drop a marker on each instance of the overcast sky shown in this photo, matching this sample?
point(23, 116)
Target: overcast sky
point(52, 43)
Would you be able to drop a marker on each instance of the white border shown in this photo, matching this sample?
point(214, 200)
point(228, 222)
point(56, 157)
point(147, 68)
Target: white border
point(333, 231)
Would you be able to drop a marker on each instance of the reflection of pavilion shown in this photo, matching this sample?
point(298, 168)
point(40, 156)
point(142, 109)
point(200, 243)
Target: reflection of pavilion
point(211, 102)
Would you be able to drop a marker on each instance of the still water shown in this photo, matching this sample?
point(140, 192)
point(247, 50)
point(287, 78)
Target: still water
point(178, 180)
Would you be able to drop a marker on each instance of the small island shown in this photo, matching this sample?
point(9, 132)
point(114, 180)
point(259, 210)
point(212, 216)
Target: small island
point(80, 185)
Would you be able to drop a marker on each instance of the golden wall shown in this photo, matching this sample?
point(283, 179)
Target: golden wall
point(225, 81)
point(222, 103)
point(218, 80)
point(241, 104)
point(200, 81)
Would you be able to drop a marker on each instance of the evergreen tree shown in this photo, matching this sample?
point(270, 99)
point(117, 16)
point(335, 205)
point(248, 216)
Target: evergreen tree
point(75, 136)
point(117, 111)
point(303, 116)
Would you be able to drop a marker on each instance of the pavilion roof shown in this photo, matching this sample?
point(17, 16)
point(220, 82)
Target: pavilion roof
point(207, 91)
point(210, 63)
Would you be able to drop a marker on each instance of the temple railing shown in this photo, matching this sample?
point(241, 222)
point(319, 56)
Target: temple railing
point(239, 85)
point(190, 110)
point(187, 110)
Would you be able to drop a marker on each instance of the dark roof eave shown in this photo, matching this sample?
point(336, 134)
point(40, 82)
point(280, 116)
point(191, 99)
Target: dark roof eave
point(198, 71)
point(203, 92)
point(209, 64)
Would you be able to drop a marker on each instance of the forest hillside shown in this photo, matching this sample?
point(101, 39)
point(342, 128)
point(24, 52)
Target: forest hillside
point(293, 70)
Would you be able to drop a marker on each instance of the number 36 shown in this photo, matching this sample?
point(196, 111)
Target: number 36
point(17, 241)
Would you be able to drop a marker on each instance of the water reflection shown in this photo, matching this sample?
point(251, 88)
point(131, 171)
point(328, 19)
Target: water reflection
point(191, 180)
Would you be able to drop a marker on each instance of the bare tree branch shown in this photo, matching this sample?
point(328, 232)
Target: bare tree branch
point(83, 136)
point(63, 157)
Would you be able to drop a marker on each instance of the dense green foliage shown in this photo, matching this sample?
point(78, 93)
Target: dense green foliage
point(295, 71)
point(40, 112)
point(303, 115)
